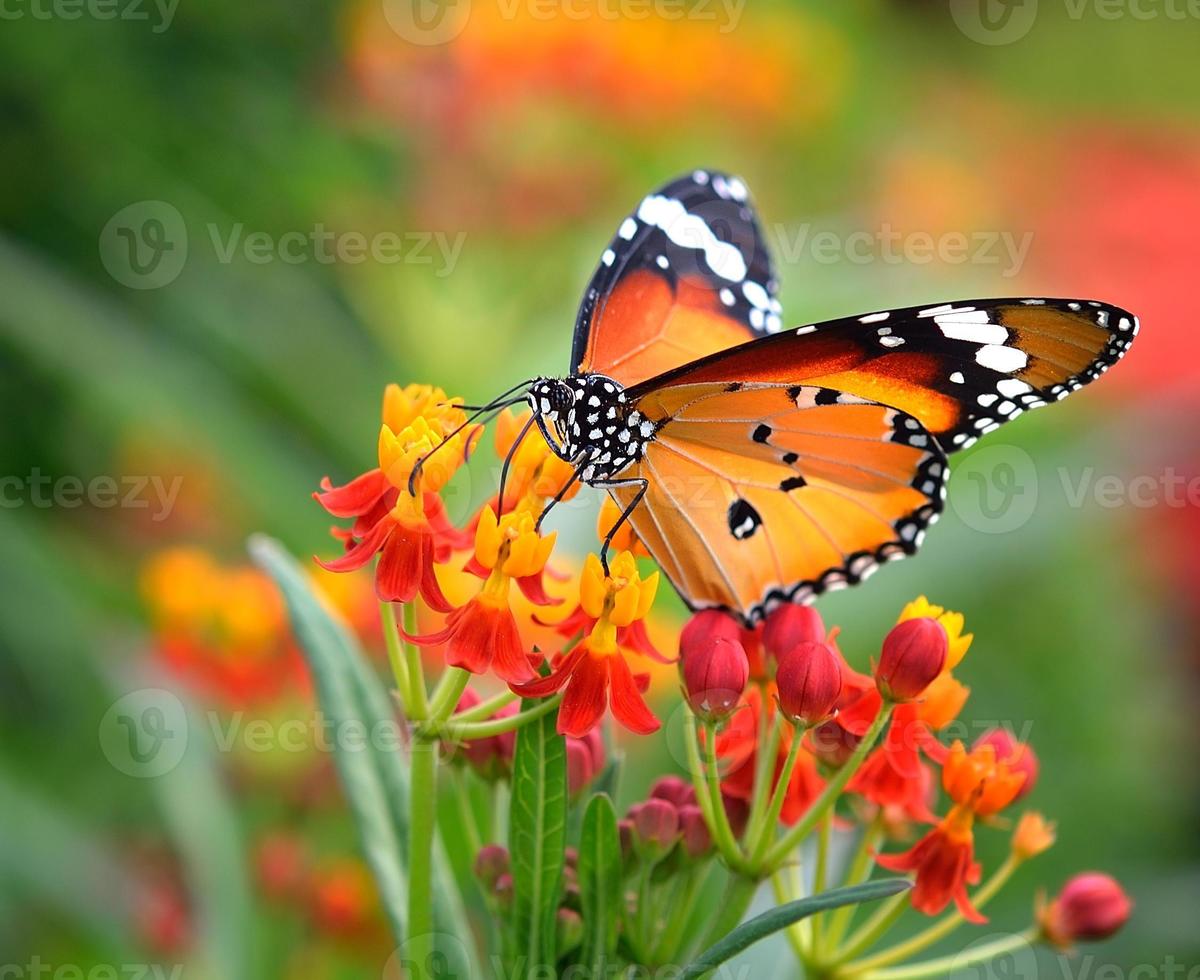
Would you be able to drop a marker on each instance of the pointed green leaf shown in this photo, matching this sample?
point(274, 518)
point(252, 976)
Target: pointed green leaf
point(600, 884)
point(750, 932)
point(374, 771)
point(537, 837)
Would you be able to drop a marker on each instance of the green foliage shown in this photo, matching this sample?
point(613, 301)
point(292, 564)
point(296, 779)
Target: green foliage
point(537, 838)
point(600, 884)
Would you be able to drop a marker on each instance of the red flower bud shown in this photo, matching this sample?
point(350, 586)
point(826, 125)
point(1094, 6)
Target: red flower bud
point(704, 627)
point(789, 625)
point(914, 654)
point(697, 841)
point(281, 861)
point(809, 681)
point(737, 812)
point(1090, 906)
point(714, 676)
point(503, 890)
point(1018, 756)
point(490, 757)
point(490, 864)
point(585, 760)
point(674, 789)
point(655, 827)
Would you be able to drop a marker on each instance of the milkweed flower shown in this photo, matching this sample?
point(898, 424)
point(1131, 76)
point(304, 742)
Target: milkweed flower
point(714, 676)
point(395, 508)
point(594, 674)
point(914, 654)
point(944, 859)
point(809, 683)
point(1019, 756)
point(483, 635)
point(1090, 906)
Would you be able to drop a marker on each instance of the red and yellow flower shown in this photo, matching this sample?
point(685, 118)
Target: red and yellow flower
point(979, 785)
point(395, 508)
point(594, 675)
point(483, 635)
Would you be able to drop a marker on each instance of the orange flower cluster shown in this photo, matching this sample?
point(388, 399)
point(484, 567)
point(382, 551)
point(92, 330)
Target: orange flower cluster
point(397, 514)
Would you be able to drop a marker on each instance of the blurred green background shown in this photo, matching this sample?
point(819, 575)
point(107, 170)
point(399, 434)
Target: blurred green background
point(189, 197)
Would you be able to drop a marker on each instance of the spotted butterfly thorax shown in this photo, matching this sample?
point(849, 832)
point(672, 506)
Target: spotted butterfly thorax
point(761, 464)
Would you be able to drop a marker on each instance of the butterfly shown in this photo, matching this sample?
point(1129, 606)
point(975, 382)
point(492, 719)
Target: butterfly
point(761, 464)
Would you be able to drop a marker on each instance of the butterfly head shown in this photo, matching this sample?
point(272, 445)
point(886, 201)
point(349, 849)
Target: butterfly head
point(587, 420)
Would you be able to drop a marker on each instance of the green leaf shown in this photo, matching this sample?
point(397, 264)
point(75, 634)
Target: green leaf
point(374, 774)
point(537, 837)
point(782, 916)
point(600, 884)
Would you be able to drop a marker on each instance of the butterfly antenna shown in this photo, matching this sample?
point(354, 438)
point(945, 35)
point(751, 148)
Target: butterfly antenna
point(491, 409)
point(508, 458)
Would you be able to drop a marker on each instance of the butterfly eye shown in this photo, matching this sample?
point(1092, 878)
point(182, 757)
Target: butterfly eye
point(561, 397)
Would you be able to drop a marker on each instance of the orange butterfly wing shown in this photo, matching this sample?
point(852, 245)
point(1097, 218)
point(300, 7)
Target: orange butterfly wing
point(687, 274)
point(961, 368)
point(759, 494)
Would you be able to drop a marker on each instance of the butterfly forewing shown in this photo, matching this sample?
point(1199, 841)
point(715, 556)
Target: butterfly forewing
point(688, 273)
point(758, 494)
point(961, 368)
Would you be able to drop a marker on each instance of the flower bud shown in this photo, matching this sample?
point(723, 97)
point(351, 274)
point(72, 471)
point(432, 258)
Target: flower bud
point(491, 863)
point(490, 757)
point(697, 841)
point(281, 863)
point(625, 830)
point(569, 929)
point(1034, 834)
point(1090, 906)
point(655, 828)
point(914, 654)
point(673, 789)
point(809, 681)
point(585, 760)
point(714, 677)
point(1018, 756)
point(704, 628)
point(503, 890)
point(789, 625)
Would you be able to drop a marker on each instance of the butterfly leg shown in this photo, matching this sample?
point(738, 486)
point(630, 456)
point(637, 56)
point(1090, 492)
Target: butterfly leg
point(557, 499)
point(642, 484)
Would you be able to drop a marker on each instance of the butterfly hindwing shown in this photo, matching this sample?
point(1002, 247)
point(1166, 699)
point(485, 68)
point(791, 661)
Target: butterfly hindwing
point(961, 368)
point(688, 273)
point(764, 493)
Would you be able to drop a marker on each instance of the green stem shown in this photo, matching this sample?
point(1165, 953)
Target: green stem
point(832, 791)
point(418, 703)
point(820, 876)
point(736, 899)
point(762, 839)
point(945, 965)
point(485, 729)
point(858, 872)
point(466, 806)
point(682, 903)
point(870, 931)
point(942, 928)
point(767, 751)
point(422, 823)
point(446, 694)
point(485, 709)
point(795, 934)
point(395, 653)
point(722, 832)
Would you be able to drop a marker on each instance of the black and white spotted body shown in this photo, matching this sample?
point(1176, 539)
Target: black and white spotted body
point(588, 422)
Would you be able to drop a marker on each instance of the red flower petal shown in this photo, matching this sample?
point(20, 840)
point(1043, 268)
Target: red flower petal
point(398, 574)
point(532, 588)
point(355, 498)
point(509, 661)
point(586, 697)
point(627, 704)
point(362, 552)
point(472, 629)
point(554, 681)
point(635, 637)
